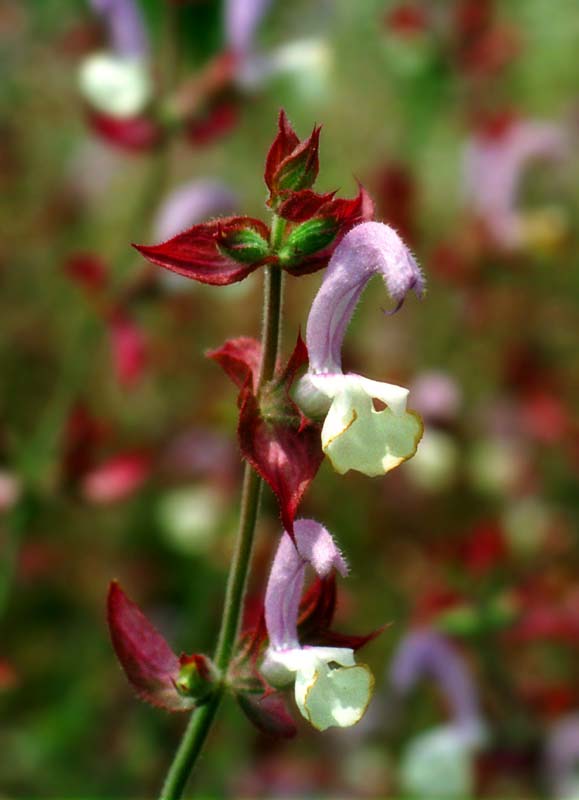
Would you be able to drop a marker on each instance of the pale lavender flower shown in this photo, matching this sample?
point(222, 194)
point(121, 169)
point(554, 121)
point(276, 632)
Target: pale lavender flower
point(126, 30)
point(439, 761)
point(330, 688)
point(561, 759)
point(494, 167)
point(190, 203)
point(242, 18)
point(314, 545)
point(427, 654)
point(355, 435)
point(436, 396)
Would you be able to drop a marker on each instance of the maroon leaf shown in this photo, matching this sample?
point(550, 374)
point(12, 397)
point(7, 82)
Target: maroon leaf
point(279, 442)
point(240, 359)
point(346, 213)
point(317, 610)
point(284, 143)
point(285, 453)
point(269, 714)
point(303, 205)
point(147, 660)
point(129, 349)
point(219, 119)
point(87, 270)
point(136, 134)
point(300, 168)
point(196, 253)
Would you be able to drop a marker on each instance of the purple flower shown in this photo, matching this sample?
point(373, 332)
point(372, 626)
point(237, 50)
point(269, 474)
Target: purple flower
point(494, 168)
point(242, 18)
point(562, 758)
point(127, 34)
point(355, 435)
point(426, 654)
point(330, 688)
point(190, 203)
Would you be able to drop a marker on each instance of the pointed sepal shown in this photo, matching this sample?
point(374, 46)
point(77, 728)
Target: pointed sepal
point(215, 252)
point(150, 665)
point(268, 713)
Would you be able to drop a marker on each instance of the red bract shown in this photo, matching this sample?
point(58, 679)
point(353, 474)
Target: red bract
point(218, 120)
point(117, 478)
point(88, 270)
point(317, 611)
point(147, 660)
point(136, 134)
point(279, 442)
point(291, 164)
point(407, 20)
point(339, 215)
point(268, 712)
point(129, 349)
point(239, 359)
point(199, 253)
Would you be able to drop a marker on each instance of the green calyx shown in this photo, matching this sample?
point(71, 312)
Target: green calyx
point(246, 246)
point(197, 679)
point(308, 238)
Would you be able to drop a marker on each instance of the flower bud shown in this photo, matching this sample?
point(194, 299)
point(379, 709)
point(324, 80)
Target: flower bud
point(245, 245)
point(197, 677)
point(308, 238)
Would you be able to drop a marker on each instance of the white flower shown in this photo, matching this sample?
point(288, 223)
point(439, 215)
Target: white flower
point(116, 85)
point(331, 690)
point(355, 435)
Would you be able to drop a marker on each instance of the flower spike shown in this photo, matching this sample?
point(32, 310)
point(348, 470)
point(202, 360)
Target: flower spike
point(355, 435)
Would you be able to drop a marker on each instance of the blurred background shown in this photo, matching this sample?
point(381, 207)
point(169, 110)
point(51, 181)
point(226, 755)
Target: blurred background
point(129, 121)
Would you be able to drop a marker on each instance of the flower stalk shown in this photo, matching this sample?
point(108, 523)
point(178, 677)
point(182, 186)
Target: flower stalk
point(202, 718)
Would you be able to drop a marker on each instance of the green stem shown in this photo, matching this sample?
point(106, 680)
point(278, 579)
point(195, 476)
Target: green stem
point(202, 718)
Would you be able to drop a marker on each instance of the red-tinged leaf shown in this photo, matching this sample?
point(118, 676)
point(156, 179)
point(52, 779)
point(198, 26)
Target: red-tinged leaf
point(269, 714)
point(195, 253)
point(129, 347)
point(87, 270)
point(83, 434)
point(352, 641)
point(346, 213)
point(285, 452)
point(284, 143)
point(135, 135)
point(117, 478)
point(240, 359)
point(317, 610)
point(317, 607)
point(303, 205)
point(146, 658)
point(300, 168)
point(298, 359)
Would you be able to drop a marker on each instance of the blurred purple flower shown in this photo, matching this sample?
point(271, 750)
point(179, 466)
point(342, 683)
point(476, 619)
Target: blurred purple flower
point(125, 27)
point(242, 18)
point(561, 758)
point(190, 203)
point(436, 396)
point(425, 653)
point(493, 168)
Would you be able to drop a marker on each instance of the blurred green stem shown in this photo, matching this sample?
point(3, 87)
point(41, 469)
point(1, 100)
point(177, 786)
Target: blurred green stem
point(202, 718)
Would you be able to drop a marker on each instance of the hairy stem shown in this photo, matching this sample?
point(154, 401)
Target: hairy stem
point(202, 718)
